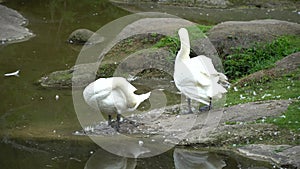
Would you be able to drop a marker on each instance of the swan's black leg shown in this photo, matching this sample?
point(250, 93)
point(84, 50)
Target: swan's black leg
point(189, 105)
point(118, 122)
point(109, 120)
point(210, 106)
point(189, 111)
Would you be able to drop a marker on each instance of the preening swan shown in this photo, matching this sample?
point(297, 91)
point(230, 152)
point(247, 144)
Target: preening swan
point(113, 95)
point(196, 77)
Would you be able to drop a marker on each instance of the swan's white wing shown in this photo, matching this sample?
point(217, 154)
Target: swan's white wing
point(215, 90)
point(102, 88)
point(204, 65)
point(192, 89)
point(188, 71)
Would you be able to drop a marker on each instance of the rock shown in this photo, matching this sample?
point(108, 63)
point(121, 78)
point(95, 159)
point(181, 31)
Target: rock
point(286, 65)
point(232, 34)
point(207, 132)
point(254, 110)
point(286, 156)
point(11, 26)
point(81, 36)
point(64, 79)
point(203, 128)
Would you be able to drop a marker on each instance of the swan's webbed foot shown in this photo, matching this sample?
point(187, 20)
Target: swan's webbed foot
point(206, 107)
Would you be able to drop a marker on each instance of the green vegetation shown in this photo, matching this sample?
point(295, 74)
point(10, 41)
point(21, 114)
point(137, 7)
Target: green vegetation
point(260, 56)
point(290, 119)
point(171, 43)
point(272, 88)
point(205, 28)
point(284, 87)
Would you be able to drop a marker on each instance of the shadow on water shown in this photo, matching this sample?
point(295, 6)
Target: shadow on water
point(35, 126)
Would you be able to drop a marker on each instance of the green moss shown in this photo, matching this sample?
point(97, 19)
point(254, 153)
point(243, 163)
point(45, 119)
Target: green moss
point(62, 75)
point(106, 70)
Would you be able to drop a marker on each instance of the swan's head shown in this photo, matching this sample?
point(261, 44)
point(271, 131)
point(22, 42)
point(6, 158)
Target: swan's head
point(184, 37)
point(138, 99)
point(182, 32)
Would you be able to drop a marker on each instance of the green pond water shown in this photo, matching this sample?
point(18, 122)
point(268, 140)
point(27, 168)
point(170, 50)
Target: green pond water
point(35, 128)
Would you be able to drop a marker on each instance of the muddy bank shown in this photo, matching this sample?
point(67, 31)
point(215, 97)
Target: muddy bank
point(281, 4)
point(206, 15)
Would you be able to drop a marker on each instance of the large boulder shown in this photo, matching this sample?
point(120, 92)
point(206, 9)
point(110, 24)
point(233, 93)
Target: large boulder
point(232, 34)
point(12, 26)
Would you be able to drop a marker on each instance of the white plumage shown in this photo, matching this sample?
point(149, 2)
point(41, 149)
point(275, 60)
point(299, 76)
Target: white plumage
point(196, 77)
point(113, 95)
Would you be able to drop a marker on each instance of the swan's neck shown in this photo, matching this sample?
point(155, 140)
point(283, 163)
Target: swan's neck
point(184, 52)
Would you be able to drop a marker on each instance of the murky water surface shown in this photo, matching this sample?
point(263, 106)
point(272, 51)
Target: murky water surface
point(36, 128)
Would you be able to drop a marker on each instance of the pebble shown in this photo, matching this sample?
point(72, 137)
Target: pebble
point(56, 97)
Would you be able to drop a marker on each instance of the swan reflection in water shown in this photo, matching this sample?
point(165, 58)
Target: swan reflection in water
point(191, 159)
point(105, 160)
point(183, 159)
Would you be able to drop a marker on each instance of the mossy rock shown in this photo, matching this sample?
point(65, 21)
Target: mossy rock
point(243, 34)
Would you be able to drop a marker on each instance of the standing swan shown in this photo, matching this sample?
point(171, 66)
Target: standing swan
point(113, 95)
point(196, 77)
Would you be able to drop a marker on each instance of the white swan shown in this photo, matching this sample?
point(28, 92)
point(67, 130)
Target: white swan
point(113, 95)
point(196, 77)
